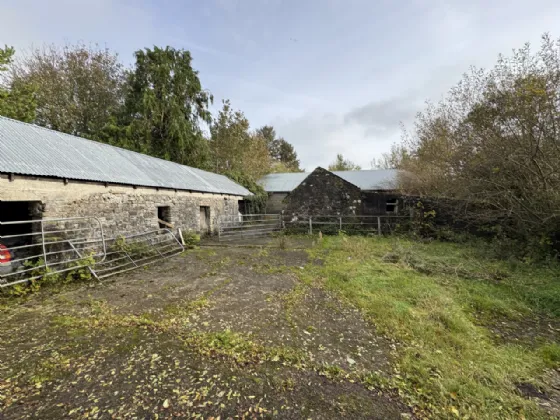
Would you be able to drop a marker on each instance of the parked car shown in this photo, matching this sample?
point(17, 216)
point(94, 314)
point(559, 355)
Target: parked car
point(6, 258)
point(14, 252)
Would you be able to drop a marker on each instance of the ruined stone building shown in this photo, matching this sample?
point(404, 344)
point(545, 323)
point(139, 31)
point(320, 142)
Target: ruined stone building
point(323, 192)
point(48, 174)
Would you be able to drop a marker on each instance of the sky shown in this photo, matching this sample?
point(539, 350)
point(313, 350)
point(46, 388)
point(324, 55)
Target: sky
point(332, 76)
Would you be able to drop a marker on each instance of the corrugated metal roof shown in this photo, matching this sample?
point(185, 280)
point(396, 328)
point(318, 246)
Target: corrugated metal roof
point(282, 182)
point(31, 150)
point(375, 179)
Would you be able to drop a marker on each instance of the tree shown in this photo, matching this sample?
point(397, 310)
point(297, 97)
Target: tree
point(234, 148)
point(16, 101)
point(391, 160)
point(268, 133)
point(341, 164)
point(281, 152)
point(493, 146)
point(287, 156)
point(164, 107)
point(77, 87)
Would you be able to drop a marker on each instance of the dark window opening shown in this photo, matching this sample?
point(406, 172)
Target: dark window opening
point(164, 217)
point(391, 205)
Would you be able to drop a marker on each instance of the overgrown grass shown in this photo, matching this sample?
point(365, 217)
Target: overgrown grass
point(439, 301)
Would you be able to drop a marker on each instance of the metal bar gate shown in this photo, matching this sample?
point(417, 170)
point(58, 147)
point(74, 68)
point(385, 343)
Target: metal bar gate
point(35, 249)
point(245, 226)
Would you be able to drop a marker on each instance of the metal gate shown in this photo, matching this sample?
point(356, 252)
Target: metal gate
point(247, 226)
point(125, 253)
point(35, 249)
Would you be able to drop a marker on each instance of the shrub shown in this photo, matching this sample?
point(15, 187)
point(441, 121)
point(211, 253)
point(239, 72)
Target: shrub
point(76, 271)
point(191, 239)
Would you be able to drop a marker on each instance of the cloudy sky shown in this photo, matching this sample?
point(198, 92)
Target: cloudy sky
point(330, 75)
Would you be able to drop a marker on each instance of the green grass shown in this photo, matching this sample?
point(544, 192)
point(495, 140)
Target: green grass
point(438, 300)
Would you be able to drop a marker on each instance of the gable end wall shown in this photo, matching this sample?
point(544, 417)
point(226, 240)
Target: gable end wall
point(323, 193)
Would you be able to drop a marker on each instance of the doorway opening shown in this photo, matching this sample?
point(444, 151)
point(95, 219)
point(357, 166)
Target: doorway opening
point(204, 220)
point(22, 211)
point(164, 217)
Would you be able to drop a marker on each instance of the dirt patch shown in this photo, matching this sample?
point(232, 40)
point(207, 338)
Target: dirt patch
point(159, 375)
point(214, 332)
point(529, 390)
point(548, 399)
point(529, 331)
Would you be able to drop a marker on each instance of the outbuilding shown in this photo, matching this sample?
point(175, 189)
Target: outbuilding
point(48, 174)
point(323, 192)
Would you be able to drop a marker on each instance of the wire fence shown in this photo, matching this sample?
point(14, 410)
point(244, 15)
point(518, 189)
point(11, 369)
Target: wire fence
point(352, 224)
point(247, 226)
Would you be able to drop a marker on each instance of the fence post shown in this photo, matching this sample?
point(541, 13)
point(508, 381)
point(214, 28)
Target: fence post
point(310, 226)
point(379, 225)
point(340, 223)
point(43, 241)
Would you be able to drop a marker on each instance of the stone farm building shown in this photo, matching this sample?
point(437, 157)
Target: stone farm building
point(48, 174)
point(322, 192)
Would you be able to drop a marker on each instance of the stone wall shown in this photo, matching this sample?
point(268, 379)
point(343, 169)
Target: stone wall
point(122, 209)
point(324, 193)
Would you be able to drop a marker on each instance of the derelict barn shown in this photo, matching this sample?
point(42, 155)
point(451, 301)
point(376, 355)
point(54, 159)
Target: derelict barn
point(48, 174)
point(323, 192)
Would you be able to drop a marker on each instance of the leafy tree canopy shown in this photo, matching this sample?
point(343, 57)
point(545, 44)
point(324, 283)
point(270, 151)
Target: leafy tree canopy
point(493, 146)
point(77, 87)
point(234, 148)
point(341, 164)
point(16, 100)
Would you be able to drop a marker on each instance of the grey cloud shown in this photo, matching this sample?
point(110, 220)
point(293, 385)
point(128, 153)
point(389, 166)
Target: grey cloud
point(319, 136)
point(384, 116)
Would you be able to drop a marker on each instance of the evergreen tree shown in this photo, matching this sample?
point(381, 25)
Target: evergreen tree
point(164, 107)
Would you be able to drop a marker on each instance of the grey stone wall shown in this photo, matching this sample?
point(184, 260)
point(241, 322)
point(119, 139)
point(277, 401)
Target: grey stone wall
point(129, 212)
point(324, 193)
point(122, 209)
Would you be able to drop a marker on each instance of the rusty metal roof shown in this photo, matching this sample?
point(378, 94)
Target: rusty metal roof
point(32, 150)
point(367, 180)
